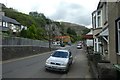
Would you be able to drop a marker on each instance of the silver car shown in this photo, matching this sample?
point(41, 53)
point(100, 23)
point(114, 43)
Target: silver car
point(79, 46)
point(60, 60)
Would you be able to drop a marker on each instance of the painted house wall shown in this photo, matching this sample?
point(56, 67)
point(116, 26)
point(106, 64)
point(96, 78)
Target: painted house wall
point(110, 12)
point(113, 14)
point(118, 8)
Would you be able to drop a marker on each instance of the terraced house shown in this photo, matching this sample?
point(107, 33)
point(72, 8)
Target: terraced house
point(100, 28)
point(106, 31)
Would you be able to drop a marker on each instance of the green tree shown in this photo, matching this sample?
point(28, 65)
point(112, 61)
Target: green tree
point(40, 34)
point(23, 33)
point(71, 32)
point(31, 32)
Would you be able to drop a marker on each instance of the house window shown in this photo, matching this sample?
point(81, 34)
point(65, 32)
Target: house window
point(119, 25)
point(0, 23)
point(94, 22)
point(99, 21)
point(4, 24)
point(95, 47)
point(99, 18)
point(118, 36)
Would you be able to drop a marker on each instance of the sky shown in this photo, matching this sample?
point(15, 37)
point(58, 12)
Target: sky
point(74, 11)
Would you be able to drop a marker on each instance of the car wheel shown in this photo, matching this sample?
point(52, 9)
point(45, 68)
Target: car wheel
point(71, 62)
point(46, 69)
point(67, 69)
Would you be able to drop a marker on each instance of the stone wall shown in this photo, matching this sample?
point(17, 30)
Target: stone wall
point(11, 52)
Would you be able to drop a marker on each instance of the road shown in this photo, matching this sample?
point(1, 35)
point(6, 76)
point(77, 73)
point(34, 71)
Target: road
point(33, 67)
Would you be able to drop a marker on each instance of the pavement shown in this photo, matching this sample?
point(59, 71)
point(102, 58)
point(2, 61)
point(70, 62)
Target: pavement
point(33, 66)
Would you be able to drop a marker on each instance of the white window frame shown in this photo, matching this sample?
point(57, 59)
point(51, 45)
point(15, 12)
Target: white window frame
point(4, 24)
point(0, 23)
point(118, 29)
point(99, 21)
point(94, 21)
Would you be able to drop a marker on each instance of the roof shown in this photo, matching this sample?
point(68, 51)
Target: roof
point(88, 36)
point(104, 33)
point(10, 20)
point(90, 33)
point(62, 37)
point(100, 4)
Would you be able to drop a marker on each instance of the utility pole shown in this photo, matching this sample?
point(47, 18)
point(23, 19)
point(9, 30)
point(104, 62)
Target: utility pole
point(49, 33)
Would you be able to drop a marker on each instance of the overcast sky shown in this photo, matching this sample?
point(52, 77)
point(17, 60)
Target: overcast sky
point(74, 11)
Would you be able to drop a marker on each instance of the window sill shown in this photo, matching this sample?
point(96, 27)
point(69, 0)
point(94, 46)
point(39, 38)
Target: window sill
point(117, 66)
point(118, 54)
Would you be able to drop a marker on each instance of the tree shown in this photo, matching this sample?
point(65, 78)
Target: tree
point(23, 33)
point(40, 33)
point(31, 32)
point(72, 34)
point(71, 31)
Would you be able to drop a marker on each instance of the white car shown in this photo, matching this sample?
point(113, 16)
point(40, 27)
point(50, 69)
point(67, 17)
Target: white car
point(60, 60)
point(79, 46)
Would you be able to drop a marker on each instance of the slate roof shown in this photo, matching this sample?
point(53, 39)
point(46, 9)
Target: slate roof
point(10, 20)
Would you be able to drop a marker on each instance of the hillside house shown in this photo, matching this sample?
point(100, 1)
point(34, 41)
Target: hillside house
point(8, 24)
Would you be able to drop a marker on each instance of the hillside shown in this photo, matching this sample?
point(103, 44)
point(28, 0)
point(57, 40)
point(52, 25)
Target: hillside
point(78, 28)
point(34, 21)
point(41, 28)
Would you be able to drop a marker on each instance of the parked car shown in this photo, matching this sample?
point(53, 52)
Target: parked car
point(56, 43)
point(60, 60)
point(79, 46)
point(62, 44)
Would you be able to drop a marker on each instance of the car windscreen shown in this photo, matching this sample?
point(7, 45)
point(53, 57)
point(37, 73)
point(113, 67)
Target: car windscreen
point(60, 54)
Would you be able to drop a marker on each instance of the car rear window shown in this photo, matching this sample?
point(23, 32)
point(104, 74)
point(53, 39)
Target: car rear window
point(60, 54)
point(79, 44)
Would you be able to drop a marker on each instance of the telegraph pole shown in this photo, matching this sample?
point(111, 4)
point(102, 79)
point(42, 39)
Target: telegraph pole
point(49, 33)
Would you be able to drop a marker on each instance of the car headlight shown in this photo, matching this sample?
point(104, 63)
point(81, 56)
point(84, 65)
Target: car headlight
point(47, 62)
point(63, 64)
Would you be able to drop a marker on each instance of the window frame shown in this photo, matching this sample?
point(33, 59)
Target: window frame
point(99, 18)
point(117, 23)
point(118, 26)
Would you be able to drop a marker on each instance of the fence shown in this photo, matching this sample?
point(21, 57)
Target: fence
point(15, 47)
point(18, 41)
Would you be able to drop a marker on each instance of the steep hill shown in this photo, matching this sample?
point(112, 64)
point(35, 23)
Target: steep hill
point(79, 29)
